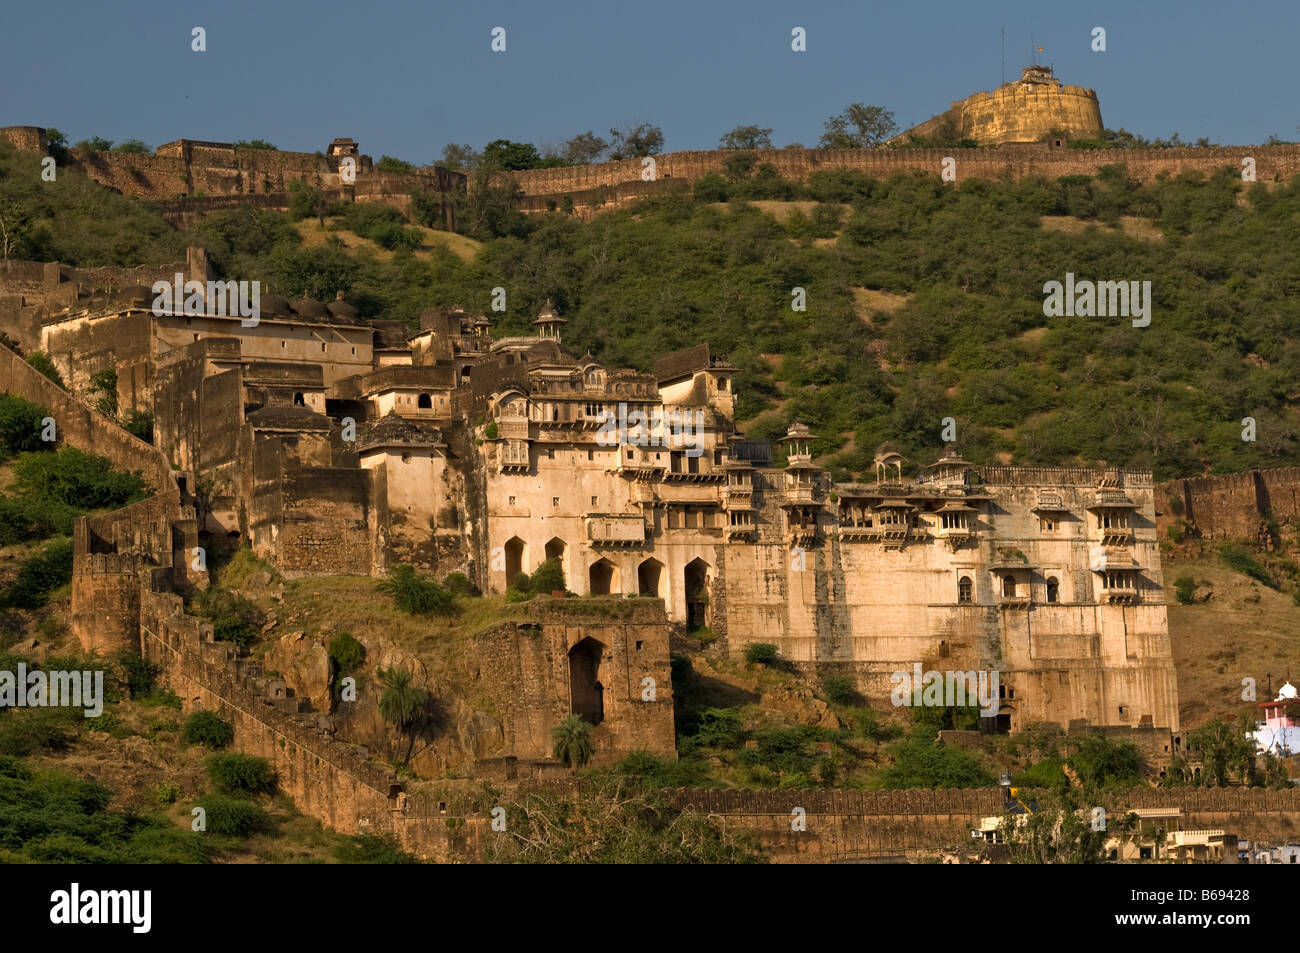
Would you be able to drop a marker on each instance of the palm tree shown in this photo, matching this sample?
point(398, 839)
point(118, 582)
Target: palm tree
point(402, 704)
point(573, 742)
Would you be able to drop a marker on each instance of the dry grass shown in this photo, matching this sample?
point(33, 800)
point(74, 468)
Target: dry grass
point(312, 235)
point(1131, 225)
point(868, 301)
point(1245, 630)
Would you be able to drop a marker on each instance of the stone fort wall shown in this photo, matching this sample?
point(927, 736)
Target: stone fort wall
point(1273, 163)
point(1232, 505)
point(1019, 112)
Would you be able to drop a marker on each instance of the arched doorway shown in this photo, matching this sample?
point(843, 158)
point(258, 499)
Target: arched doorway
point(696, 578)
point(586, 692)
point(555, 549)
point(516, 551)
point(650, 578)
point(603, 578)
point(424, 402)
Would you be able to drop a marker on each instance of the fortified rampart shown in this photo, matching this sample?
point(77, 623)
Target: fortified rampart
point(1026, 110)
point(1272, 163)
point(192, 169)
point(30, 290)
point(1232, 505)
point(111, 550)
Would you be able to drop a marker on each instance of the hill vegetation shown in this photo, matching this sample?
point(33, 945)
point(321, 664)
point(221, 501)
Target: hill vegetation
point(962, 265)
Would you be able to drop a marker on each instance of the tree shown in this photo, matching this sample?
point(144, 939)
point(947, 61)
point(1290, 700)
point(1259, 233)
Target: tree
point(14, 218)
point(94, 144)
point(512, 156)
point(57, 143)
point(417, 594)
point(255, 144)
point(306, 201)
point(460, 157)
point(1059, 831)
point(859, 127)
point(1101, 762)
point(585, 148)
point(633, 142)
point(389, 164)
point(103, 385)
point(132, 147)
point(402, 704)
point(617, 820)
point(572, 742)
point(746, 137)
point(1224, 750)
point(548, 577)
point(41, 361)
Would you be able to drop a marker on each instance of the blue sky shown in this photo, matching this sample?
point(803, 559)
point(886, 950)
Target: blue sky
point(404, 78)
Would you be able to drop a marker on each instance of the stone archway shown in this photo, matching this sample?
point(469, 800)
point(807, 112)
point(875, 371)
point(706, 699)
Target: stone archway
point(586, 693)
point(557, 549)
point(516, 554)
point(696, 579)
point(603, 578)
point(650, 578)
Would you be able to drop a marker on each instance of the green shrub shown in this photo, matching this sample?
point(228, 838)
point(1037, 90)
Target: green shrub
point(240, 773)
point(371, 849)
point(1240, 560)
point(347, 654)
point(521, 583)
point(20, 426)
point(1184, 589)
point(167, 792)
point(761, 653)
point(42, 363)
point(572, 742)
point(920, 762)
point(718, 728)
point(140, 674)
point(839, 689)
point(139, 423)
point(208, 729)
point(25, 731)
point(1044, 774)
point(39, 575)
point(491, 431)
point(234, 617)
point(78, 479)
point(230, 817)
point(1101, 762)
point(458, 584)
point(548, 577)
point(416, 594)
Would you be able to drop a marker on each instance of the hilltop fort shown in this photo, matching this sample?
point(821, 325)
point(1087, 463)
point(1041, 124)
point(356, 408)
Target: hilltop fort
point(1029, 109)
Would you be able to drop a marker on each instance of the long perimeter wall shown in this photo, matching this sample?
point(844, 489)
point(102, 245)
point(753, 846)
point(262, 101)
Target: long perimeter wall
point(1272, 163)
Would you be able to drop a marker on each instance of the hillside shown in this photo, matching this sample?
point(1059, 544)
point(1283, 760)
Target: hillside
point(923, 301)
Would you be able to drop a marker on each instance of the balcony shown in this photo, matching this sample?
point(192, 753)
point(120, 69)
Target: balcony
point(616, 530)
point(638, 463)
point(514, 457)
point(799, 495)
point(1117, 596)
point(512, 428)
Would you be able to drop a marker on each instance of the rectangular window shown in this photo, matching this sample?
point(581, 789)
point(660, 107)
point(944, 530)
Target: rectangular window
point(512, 501)
point(594, 500)
point(555, 501)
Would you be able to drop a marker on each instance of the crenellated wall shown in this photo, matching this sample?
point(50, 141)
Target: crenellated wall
point(1231, 505)
point(1272, 163)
